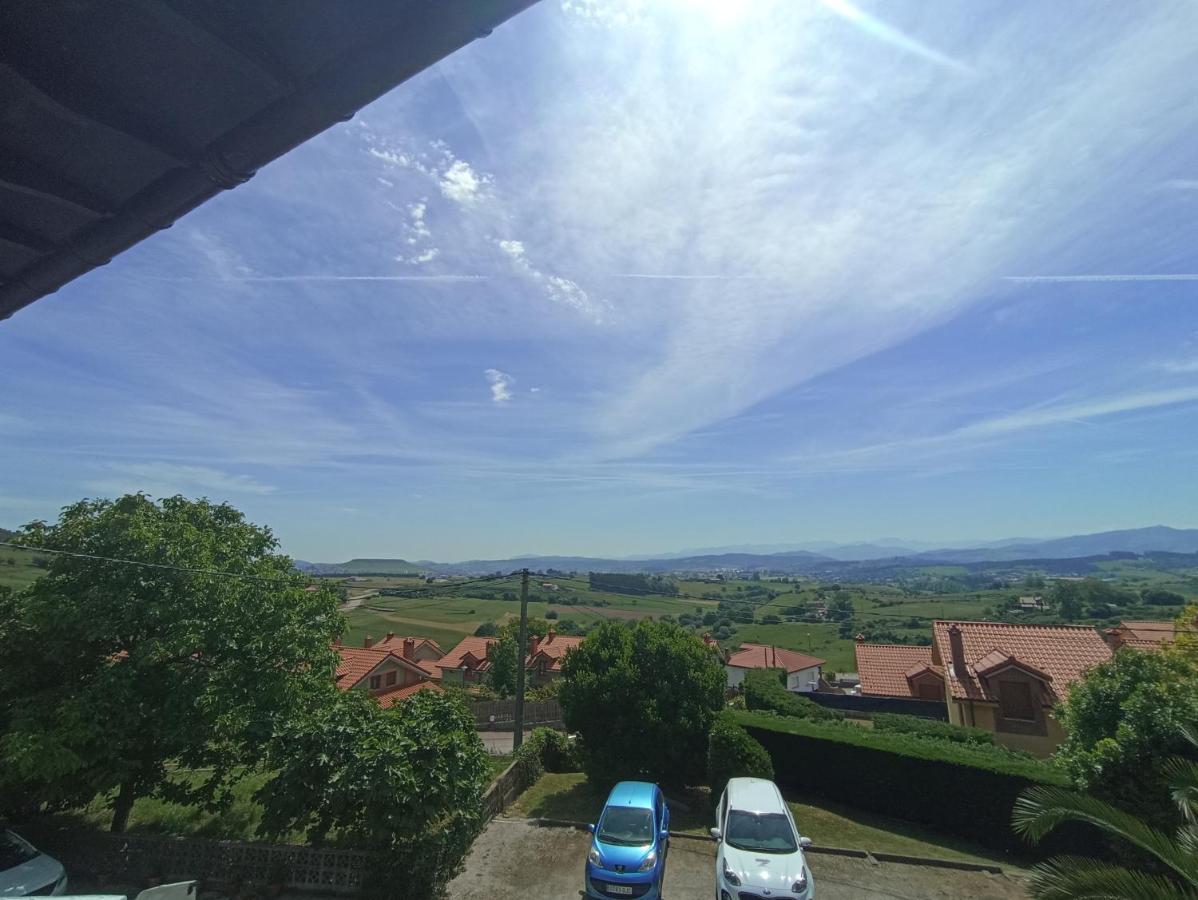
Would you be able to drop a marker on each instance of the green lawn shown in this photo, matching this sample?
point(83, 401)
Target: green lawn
point(17, 569)
point(819, 639)
point(568, 796)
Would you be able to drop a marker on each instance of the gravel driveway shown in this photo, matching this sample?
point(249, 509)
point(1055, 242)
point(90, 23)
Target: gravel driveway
point(515, 860)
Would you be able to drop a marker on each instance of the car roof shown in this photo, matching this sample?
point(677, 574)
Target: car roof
point(754, 795)
point(632, 793)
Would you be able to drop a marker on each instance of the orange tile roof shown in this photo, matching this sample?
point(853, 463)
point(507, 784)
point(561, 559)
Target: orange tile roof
point(1144, 635)
point(1062, 653)
point(760, 656)
point(884, 668)
point(355, 663)
point(554, 647)
point(395, 642)
point(474, 645)
point(390, 698)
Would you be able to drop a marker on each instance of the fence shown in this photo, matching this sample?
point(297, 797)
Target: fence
point(851, 703)
point(500, 715)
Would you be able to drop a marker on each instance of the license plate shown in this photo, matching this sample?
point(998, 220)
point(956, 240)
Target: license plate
point(620, 889)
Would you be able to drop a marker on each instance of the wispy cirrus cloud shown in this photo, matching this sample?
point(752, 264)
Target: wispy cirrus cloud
point(161, 478)
point(1100, 278)
point(501, 385)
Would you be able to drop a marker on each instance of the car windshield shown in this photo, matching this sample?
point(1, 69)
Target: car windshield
point(13, 851)
point(760, 832)
point(626, 825)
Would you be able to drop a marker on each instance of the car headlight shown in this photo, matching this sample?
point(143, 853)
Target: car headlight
point(730, 876)
point(800, 884)
point(648, 862)
point(593, 857)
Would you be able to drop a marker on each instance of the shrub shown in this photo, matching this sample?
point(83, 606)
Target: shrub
point(966, 790)
point(931, 728)
point(554, 750)
point(764, 691)
point(732, 753)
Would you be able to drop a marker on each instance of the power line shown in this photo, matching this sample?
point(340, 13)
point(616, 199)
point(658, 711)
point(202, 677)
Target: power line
point(148, 565)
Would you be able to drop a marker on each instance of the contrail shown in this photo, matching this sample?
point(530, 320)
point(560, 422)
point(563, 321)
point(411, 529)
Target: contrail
point(282, 278)
point(652, 277)
point(1067, 279)
point(891, 35)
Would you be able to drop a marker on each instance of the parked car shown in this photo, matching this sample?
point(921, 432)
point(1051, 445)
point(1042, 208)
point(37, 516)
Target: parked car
point(631, 839)
point(760, 852)
point(27, 872)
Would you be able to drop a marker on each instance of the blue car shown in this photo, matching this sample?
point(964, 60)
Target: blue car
point(628, 850)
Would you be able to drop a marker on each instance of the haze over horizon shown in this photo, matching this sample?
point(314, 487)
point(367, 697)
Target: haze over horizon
point(627, 277)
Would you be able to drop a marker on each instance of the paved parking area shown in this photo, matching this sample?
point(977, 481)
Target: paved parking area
point(514, 860)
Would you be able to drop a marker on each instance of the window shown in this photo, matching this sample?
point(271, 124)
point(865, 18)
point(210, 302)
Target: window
point(390, 678)
point(1015, 700)
point(723, 810)
point(930, 690)
point(376, 681)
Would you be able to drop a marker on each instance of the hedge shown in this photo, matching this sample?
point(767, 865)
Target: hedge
point(964, 790)
point(764, 690)
point(732, 753)
point(931, 728)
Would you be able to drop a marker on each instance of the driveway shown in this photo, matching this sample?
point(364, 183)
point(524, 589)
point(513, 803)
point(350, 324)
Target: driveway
point(514, 859)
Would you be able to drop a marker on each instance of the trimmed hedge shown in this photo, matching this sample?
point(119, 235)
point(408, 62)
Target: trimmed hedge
point(931, 728)
point(961, 789)
point(764, 690)
point(732, 753)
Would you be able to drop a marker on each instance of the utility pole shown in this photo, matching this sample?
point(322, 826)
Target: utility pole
point(521, 652)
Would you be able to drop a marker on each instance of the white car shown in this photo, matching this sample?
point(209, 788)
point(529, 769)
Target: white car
point(27, 872)
point(760, 853)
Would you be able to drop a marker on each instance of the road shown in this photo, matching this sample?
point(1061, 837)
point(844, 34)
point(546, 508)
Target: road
point(499, 743)
point(514, 859)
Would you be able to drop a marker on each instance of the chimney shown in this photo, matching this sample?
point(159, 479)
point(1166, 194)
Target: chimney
point(368, 642)
point(552, 634)
point(409, 648)
point(534, 645)
point(860, 639)
point(956, 646)
point(390, 634)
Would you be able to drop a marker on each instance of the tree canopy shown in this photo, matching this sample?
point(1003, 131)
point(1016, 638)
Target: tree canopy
point(112, 670)
point(505, 657)
point(642, 700)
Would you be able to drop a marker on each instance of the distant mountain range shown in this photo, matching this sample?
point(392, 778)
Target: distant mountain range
point(799, 559)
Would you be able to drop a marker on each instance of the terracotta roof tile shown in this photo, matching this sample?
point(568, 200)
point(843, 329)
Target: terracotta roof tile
point(390, 698)
point(554, 647)
point(395, 642)
point(356, 662)
point(474, 645)
point(1062, 653)
point(1144, 635)
point(884, 668)
point(761, 656)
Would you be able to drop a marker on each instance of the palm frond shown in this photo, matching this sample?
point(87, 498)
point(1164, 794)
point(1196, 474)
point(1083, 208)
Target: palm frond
point(1187, 839)
point(1041, 809)
point(1074, 878)
point(1183, 783)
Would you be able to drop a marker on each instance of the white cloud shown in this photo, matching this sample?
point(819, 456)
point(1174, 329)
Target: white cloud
point(461, 183)
point(1069, 279)
point(501, 385)
point(558, 288)
point(514, 249)
point(160, 478)
point(1182, 184)
point(534, 390)
point(1180, 366)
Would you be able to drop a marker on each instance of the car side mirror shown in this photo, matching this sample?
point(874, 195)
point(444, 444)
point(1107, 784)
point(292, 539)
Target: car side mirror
point(715, 833)
point(804, 842)
point(591, 827)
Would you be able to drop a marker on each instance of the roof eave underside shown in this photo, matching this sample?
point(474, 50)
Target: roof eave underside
point(188, 96)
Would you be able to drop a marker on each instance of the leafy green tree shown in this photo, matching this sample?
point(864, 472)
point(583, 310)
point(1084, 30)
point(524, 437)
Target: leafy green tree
point(643, 701)
point(505, 656)
point(1040, 809)
point(486, 629)
point(112, 672)
point(1067, 598)
point(406, 781)
point(733, 753)
point(1122, 720)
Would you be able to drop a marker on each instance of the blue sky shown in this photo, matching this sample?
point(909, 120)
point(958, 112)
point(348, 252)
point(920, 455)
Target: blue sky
point(626, 277)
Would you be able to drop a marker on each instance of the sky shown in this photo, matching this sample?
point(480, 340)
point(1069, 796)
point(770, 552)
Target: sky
point(628, 276)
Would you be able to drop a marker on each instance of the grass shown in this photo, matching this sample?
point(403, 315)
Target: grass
point(569, 796)
point(17, 569)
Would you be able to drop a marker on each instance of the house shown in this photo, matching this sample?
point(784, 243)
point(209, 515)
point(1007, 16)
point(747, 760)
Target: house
point(1031, 604)
point(389, 671)
point(469, 661)
point(1006, 678)
point(898, 670)
point(1141, 635)
point(802, 671)
point(545, 655)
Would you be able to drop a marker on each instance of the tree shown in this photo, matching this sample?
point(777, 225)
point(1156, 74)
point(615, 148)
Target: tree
point(1162, 598)
point(486, 629)
point(642, 701)
point(733, 753)
point(1040, 809)
point(505, 656)
point(1066, 596)
point(112, 671)
point(1122, 720)
point(406, 781)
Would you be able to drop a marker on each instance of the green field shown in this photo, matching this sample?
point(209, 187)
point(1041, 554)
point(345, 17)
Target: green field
point(17, 568)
